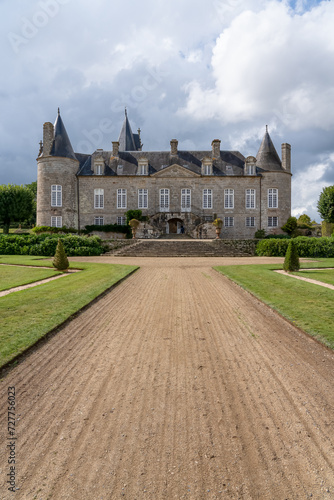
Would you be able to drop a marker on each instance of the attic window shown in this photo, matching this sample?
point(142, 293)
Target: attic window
point(250, 169)
point(207, 166)
point(142, 167)
point(229, 169)
point(98, 169)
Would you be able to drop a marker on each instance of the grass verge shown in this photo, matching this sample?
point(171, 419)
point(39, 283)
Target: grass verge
point(28, 315)
point(308, 306)
point(12, 276)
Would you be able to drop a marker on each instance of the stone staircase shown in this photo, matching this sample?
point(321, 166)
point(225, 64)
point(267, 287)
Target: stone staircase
point(188, 248)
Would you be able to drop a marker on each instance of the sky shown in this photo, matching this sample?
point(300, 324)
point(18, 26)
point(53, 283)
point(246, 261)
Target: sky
point(185, 70)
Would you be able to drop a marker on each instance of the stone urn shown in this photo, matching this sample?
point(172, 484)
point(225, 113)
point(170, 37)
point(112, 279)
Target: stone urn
point(218, 223)
point(134, 223)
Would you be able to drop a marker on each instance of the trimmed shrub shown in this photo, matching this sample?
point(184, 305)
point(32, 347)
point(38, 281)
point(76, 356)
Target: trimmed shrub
point(60, 260)
point(306, 247)
point(291, 261)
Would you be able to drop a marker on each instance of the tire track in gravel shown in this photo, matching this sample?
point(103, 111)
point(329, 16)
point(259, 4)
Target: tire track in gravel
point(176, 384)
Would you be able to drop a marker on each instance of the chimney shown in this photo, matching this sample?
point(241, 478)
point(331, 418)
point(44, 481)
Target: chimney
point(286, 157)
point(215, 148)
point(173, 147)
point(48, 132)
point(115, 148)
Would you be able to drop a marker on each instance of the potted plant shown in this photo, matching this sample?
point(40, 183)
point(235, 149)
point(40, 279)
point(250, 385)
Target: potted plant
point(134, 223)
point(218, 223)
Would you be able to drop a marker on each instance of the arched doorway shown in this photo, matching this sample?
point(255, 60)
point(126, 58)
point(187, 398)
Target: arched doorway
point(174, 226)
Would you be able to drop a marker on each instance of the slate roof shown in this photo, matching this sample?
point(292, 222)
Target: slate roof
point(127, 140)
point(61, 145)
point(267, 157)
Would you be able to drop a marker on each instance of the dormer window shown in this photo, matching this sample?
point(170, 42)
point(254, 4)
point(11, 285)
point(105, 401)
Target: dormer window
point(250, 166)
point(142, 167)
point(206, 166)
point(98, 169)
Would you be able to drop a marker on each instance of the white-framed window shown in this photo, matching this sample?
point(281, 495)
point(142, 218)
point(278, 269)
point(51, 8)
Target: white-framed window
point(250, 198)
point(272, 198)
point(98, 169)
point(98, 198)
point(99, 221)
point(207, 169)
point(207, 198)
point(229, 198)
point(228, 221)
point(142, 169)
point(56, 195)
point(121, 221)
point(185, 200)
point(250, 221)
point(56, 221)
point(250, 169)
point(272, 221)
point(121, 198)
point(142, 198)
point(164, 200)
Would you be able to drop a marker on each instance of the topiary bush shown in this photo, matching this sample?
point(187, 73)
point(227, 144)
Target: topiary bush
point(306, 247)
point(60, 260)
point(291, 261)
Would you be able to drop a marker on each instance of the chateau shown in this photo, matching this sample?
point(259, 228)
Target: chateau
point(178, 190)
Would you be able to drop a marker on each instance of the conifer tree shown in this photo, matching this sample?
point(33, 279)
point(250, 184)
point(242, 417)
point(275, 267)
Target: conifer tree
point(60, 260)
point(291, 261)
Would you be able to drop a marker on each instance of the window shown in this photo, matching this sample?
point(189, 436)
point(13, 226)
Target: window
point(272, 221)
point(56, 222)
point(272, 198)
point(121, 221)
point(207, 198)
point(164, 200)
point(98, 169)
point(121, 198)
point(228, 221)
point(142, 198)
point(98, 198)
point(142, 169)
point(229, 198)
point(56, 196)
point(98, 221)
point(250, 198)
point(250, 169)
point(250, 221)
point(185, 200)
point(207, 169)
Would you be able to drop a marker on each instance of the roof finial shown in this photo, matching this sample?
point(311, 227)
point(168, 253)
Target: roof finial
point(126, 113)
point(58, 111)
point(267, 129)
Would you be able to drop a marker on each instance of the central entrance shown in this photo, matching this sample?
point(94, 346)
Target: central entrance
point(174, 226)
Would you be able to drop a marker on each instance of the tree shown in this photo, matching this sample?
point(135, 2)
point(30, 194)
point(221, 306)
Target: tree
point(33, 188)
point(304, 220)
point(290, 225)
point(133, 214)
point(326, 204)
point(291, 261)
point(16, 205)
point(60, 260)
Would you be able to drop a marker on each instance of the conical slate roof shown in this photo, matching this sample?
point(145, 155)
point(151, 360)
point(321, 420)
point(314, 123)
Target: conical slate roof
point(127, 140)
point(61, 144)
point(267, 157)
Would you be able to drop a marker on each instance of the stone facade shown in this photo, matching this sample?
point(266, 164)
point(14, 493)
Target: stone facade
point(177, 190)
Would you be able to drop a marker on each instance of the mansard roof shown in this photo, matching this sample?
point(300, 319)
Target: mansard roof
point(267, 157)
point(127, 140)
point(61, 145)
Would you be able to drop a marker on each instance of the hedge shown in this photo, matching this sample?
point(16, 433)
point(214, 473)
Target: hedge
point(306, 247)
point(46, 244)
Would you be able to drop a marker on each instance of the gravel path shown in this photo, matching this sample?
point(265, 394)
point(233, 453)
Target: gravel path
point(175, 385)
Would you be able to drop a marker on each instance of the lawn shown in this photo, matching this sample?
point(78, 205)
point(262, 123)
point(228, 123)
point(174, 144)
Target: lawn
point(28, 315)
point(325, 275)
point(308, 306)
point(12, 276)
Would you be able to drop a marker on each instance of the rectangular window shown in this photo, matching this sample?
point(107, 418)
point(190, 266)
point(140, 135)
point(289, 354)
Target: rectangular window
point(228, 221)
point(121, 221)
point(250, 221)
point(142, 198)
point(272, 221)
point(272, 198)
point(142, 170)
point(207, 170)
point(229, 198)
point(207, 198)
point(121, 198)
point(98, 169)
point(185, 200)
point(98, 198)
point(250, 198)
point(250, 169)
point(56, 222)
point(98, 221)
point(56, 196)
point(164, 200)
